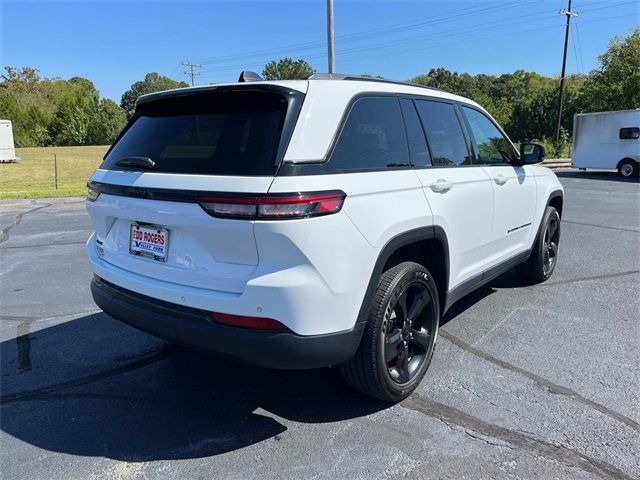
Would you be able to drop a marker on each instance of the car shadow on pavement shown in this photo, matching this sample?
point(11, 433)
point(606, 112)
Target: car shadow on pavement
point(97, 387)
point(595, 175)
point(92, 390)
point(509, 279)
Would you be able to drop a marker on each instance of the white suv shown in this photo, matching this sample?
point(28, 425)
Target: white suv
point(302, 224)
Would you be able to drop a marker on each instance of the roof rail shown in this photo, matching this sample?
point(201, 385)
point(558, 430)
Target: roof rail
point(327, 76)
point(342, 76)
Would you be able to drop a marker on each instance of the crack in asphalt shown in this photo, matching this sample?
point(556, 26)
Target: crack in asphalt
point(543, 382)
point(624, 229)
point(485, 399)
point(146, 358)
point(452, 417)
point(4, 234)
point(587, 279)
point(41, 245)
point(18, 318)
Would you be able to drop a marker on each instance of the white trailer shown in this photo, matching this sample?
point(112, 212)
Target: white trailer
point(7, 149)
point(607, 140)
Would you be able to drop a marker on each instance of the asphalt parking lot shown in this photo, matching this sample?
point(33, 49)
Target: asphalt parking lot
point(527, 381)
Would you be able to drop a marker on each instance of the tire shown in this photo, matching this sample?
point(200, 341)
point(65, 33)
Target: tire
point(628, 168)
point(399, 337)
point(544, 255)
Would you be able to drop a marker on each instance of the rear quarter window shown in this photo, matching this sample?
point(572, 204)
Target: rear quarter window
point(215, 133)
point(373, 137)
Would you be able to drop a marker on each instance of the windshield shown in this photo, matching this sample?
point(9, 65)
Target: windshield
point(212, 133)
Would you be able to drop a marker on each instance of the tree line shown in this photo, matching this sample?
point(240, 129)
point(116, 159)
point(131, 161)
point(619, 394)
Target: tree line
point(54, 111)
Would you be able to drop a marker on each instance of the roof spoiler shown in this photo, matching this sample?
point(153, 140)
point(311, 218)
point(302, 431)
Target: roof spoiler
point(247, 76)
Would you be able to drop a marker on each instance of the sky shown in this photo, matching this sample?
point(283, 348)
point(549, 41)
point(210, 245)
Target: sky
point(115, 43)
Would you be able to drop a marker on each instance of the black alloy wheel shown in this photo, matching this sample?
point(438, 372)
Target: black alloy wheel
point(399, 336)
point(408, 329)
point(544, 254)
point(550, 244)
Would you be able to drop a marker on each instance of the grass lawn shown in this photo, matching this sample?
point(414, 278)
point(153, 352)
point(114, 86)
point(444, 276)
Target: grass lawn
point(33, 175)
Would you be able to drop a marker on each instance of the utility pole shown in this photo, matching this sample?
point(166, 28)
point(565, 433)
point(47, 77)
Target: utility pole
point(330, 48)
point(192, 70)
point(568, 13)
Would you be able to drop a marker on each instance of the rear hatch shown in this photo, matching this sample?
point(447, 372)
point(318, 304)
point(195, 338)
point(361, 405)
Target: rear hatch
point(180, 147)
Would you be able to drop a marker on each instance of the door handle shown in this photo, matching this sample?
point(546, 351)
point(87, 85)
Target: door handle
point(500, 179)
point(441, 185)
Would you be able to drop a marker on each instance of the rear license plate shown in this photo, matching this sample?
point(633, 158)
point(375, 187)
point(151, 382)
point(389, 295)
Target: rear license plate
point(149, 241)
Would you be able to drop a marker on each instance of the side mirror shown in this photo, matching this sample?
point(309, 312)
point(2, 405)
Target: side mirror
point(531, 153)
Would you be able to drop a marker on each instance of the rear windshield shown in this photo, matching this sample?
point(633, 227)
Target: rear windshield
point(214, 133)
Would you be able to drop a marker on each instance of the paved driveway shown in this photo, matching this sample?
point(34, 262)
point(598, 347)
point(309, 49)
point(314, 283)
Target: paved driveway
point(527, 382)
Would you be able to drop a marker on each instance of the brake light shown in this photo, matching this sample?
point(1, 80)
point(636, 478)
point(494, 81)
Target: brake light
point(257, 323)
point(93, 191)
point(273, 206)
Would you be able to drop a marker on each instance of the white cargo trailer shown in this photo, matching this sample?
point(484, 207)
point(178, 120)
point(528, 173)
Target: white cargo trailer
point(607, 140)
point(7, 150)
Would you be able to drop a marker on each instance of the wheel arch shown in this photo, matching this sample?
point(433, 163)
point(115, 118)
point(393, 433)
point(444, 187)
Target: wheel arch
point(427, 245)
point(625, 159)
point(556, 200)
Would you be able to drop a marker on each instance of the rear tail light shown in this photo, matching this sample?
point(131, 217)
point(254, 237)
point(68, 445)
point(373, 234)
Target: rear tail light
point(256, 323)
point(93, 191)
point(273, 206)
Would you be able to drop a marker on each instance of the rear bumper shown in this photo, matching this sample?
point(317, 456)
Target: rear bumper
point(194, 328)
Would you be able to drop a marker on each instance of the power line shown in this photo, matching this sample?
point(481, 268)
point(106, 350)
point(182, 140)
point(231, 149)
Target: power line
point(192, 70)
point(385, 31)
point(575, 50)
point(579, 45)
point(464, 30)
point(349, 58)
point(379, 31)
point(430, 47)
point(174, 71)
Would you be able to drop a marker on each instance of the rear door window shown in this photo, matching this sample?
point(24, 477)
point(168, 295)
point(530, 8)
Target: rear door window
point(444, 134)
point(373, 137)
point(219, 133)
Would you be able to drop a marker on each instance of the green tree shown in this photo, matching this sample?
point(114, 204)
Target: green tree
point(77, 103)
point(615, 84)
point(153, 82)
point(287, 69)
point(25, 100)
point(20, 76)
point(535, 117)
point(106, 123)
point(453, 82)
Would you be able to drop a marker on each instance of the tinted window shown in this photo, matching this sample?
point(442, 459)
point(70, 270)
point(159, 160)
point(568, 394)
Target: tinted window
point(446, 140)
point(629, 133)
point(493, 147)
point(373, 136)
point(223, 133)
point(418, 150)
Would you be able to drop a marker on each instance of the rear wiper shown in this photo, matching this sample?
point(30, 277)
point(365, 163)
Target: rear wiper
point(139, 162)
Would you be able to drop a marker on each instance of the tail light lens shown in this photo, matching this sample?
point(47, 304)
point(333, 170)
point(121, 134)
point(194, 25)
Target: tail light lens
point(93, 191)
point(256, 323)
point(273, 206)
